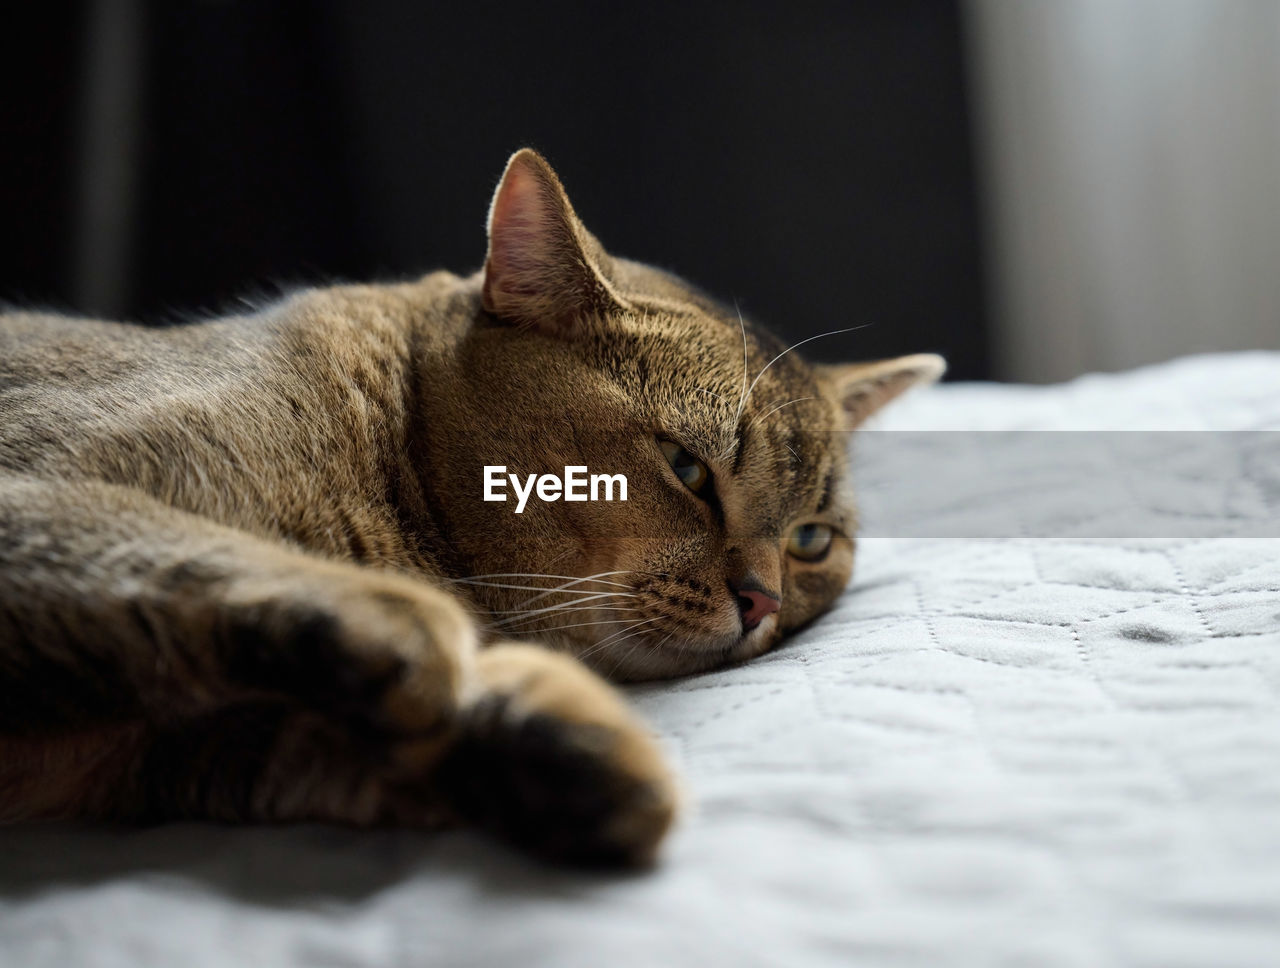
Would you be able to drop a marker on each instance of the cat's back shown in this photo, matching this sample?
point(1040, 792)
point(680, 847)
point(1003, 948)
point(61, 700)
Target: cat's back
point(58, 368)
point(64, 377)
point(66, 357)
point(45, 349)
point(60, 357)
point(255, 419)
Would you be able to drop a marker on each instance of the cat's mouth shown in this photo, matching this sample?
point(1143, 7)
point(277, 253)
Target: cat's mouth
point(647, 624)
point(690, 611)
point(680, 651)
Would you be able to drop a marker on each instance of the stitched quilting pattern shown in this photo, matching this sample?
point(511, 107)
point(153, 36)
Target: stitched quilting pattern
point(1015, 751)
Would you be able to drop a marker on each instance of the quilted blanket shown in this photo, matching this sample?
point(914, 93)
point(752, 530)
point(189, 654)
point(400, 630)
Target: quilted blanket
point(1042, 728)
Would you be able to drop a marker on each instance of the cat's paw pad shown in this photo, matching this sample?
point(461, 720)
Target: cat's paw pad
point(550, 759)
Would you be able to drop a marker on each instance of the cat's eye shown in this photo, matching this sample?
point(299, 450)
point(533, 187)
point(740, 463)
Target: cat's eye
point(691, 471)
point(810, 542)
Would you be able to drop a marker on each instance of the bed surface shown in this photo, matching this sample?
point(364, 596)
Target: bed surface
point(1010, 744)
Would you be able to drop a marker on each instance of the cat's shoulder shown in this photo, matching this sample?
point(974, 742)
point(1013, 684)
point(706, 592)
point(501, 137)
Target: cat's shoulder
point(439, 302)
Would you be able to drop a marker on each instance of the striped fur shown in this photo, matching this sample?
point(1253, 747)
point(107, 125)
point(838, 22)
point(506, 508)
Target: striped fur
point(246, 573)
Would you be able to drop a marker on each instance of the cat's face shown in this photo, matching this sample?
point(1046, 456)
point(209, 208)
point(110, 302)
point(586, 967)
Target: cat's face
point(739, 520)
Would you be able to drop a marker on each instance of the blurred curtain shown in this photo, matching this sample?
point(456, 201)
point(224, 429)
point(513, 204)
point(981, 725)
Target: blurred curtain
point(811, 161)
point(1131, 164)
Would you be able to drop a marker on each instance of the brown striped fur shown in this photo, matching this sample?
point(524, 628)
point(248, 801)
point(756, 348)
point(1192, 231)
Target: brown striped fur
point(246, 573)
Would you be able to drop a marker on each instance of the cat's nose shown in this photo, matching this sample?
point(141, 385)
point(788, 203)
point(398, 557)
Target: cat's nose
point(754, 604)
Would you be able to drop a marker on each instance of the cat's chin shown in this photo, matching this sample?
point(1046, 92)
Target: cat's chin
point(676, 656)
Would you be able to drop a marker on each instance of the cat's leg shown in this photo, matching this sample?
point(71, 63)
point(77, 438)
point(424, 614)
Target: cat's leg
point(546, 756)
point(550, 758)
point(155, 664)
point(115, 607)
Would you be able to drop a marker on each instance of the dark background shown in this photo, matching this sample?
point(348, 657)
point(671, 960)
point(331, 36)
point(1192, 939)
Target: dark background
point(810, 160)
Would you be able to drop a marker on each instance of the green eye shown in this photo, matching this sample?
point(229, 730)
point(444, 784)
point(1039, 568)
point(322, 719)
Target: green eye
point(691, 471)
point(810, 542)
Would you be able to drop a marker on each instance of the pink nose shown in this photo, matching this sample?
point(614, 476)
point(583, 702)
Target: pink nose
point(754, 605)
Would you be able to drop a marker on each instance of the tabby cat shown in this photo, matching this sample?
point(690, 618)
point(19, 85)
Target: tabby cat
point(247, 572)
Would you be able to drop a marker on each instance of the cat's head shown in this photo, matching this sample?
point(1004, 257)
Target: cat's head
point(739, 520)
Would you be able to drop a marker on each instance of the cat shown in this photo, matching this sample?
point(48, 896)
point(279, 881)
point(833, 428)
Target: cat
point(247, 573)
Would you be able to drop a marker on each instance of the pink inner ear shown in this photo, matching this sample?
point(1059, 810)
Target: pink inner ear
point(519, 226)
point(538, 272)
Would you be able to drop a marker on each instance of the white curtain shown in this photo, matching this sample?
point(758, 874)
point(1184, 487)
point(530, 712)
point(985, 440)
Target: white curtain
point(1130, 151)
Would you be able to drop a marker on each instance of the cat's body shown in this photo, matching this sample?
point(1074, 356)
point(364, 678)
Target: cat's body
point(291, 423)
point(245, 565)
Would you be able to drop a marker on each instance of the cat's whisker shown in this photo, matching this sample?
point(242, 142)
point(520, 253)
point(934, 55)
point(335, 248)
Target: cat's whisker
point(547, 591)
point(624, 656)
point(635, 632)
point(834, 332)
point(473, 579)
point(558, 557)
point(582, 594)
point(590, 578)
point(602, 600)
point(608, 639)
point(660, 643)
point(628, 630)
point(532, 624)
point(764, 416)
point(543, 614)
point(742, 396)
point(634, 629)
point(578, 625)
point(654, 647)
point(575, 603)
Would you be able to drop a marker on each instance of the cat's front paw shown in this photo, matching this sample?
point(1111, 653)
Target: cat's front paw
point(376, 649)
point(550, 759)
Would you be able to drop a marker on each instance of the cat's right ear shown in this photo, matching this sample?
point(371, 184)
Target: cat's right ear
point(863, 388)
point(544, 270)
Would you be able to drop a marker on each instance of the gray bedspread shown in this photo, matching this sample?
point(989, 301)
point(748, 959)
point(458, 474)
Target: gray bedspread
point(1038, 730)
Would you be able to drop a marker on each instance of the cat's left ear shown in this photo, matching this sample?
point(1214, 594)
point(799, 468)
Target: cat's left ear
point(863, 388)
point(544, 269)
